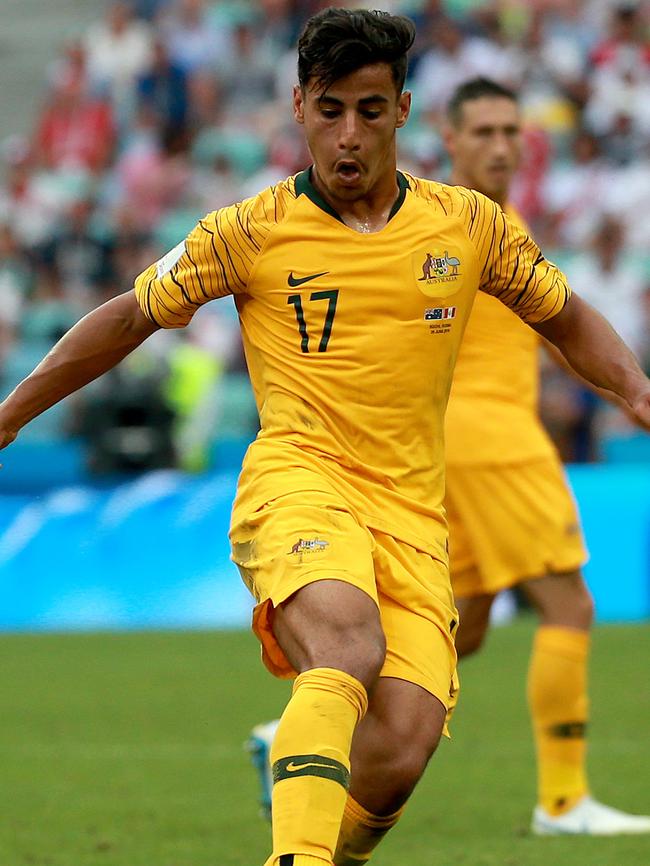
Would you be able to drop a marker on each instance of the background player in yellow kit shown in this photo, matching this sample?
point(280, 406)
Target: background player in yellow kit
point(338, 525)
point(512, 518)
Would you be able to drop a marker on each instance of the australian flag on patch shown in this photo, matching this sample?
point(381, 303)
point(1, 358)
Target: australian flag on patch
point(440, 313)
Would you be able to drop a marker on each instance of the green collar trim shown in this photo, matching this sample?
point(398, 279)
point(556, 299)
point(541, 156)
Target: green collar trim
point(403, 185)
point(304, 186)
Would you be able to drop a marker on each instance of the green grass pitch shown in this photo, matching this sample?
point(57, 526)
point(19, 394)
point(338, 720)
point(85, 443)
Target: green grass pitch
point(126, 750)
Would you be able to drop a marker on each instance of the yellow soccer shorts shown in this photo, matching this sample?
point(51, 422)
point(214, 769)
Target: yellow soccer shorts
point(509, 523)
point(300, 538)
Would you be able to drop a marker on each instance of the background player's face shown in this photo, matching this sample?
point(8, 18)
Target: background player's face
point(350, 130)
point(485, 145)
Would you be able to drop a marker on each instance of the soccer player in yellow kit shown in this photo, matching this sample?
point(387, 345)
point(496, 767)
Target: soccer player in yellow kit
point(353, 283)
point(512, 518)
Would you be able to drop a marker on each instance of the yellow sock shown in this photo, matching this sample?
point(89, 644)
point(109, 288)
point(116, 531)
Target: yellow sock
point(311, 766)
point(361, 832)
point(557, 696)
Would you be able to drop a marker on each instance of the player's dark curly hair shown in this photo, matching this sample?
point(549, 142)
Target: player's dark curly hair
point(475, 88)
point(336, 42)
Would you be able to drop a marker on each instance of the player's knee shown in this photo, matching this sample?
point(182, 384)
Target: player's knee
point(364, 655)
point(360, 643)
point(469, 639)
point(572, 607)
point(332, 625)
point(474, 620)
point(584, 609)
point(358, 649)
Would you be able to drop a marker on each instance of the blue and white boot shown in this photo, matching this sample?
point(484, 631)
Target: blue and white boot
point(259, 747)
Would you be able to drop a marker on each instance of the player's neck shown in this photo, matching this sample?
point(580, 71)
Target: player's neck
point(368, 214)
point(457, 178)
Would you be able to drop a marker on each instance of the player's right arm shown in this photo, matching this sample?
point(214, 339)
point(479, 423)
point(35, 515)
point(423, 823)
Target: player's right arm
point(214, 260)
point(93, 346)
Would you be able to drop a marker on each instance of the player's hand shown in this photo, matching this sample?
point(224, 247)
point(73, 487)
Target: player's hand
point(641, 410)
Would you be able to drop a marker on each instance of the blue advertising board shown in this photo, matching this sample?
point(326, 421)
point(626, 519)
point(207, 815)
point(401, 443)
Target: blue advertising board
point(153, 553)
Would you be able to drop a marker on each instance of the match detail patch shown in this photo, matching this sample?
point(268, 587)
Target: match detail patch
point(434, 313)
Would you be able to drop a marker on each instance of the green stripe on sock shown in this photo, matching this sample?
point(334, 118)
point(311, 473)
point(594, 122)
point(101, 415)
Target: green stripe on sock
point(568, 730)
point(311, 765)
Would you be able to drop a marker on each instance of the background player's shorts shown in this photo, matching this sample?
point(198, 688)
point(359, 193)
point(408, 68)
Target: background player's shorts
point(300, 538)
point(510, 523)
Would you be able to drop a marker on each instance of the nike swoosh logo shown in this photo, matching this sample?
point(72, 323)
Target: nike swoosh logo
point(292, 768)
point(298, 281)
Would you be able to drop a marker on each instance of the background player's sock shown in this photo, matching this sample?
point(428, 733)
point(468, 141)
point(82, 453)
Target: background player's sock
point(311, 765)
point(361, 832)
point(557, 696)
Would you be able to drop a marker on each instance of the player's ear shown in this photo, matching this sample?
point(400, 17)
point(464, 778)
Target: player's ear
point(448, 138)
point(298, 104)
point(403, 108)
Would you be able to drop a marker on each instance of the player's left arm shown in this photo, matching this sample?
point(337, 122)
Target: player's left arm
point(609, 396)
point(596, 352)
point(515, 270)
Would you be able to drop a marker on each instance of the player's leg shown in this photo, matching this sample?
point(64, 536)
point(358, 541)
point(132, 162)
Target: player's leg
point(557, 687)
point(311, 569)
point(390, 750)
point(468, 558)
point(506, 523)
point(393, 744)
point(331, 634)
point(411, 702)
point(530, 526)
point(559, 706)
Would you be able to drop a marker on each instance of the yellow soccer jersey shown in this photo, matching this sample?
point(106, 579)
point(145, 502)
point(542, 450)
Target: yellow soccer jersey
point(350, 338)
point(492, 414)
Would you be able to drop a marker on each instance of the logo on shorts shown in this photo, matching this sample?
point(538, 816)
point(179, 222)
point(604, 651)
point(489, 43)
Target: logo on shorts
point(311, 545)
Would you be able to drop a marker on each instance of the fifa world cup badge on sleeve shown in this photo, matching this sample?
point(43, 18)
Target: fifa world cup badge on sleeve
point(164, 265)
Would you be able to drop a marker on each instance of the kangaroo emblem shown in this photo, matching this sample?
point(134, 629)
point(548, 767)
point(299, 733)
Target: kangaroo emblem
point(428, 268)
point(435, 267)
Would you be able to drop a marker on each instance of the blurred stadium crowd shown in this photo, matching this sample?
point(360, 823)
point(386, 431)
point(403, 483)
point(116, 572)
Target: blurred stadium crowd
point(166, 109)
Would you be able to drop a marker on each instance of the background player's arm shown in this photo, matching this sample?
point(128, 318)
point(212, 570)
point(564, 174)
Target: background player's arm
point(595, 351)
point(93, 346)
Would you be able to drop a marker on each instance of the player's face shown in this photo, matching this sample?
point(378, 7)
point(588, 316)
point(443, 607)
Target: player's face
point(350, 130)
point(485, 146)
